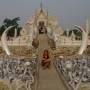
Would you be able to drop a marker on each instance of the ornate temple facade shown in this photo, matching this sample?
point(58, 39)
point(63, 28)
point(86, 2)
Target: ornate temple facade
point(41, 18)
point(42, 23)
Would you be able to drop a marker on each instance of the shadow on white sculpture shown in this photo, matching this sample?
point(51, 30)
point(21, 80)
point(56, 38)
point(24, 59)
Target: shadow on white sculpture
point(85, 33)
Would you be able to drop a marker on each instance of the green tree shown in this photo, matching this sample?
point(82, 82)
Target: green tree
point(76, 32)
point(11, 22)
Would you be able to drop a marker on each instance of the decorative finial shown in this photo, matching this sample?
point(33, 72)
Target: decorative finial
point(47, 16)
point(47, 12)
point(41, 6)
point(67, 32)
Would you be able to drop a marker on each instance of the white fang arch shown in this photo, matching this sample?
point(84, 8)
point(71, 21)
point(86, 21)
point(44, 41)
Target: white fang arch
point(85, 33)
point(3, 41)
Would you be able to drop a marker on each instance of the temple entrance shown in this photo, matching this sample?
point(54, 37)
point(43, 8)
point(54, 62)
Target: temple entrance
point(42, 28)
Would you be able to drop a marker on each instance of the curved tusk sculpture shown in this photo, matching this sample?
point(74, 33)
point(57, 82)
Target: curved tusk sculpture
point(84, 37)
point(3, 41)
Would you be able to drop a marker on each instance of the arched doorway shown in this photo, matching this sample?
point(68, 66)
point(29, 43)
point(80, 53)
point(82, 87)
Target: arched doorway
point(42, 28)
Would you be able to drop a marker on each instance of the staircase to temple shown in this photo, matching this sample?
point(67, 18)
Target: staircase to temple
point(48, 78)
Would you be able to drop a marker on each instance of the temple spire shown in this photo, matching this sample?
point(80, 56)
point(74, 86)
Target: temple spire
point(47, 16)
point(35, 17)
point(41, 6)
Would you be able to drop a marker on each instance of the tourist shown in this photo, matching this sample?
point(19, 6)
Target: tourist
point(46, 59)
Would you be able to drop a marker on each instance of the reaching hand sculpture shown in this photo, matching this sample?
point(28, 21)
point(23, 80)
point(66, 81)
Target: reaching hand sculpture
point(3, 41)
point(85, 33)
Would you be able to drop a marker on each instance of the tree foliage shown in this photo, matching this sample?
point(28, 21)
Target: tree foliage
point(75, 31)
point(11, 22)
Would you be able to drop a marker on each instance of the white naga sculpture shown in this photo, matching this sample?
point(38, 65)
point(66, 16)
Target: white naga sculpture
point(49, 33)
point(35, 33)
point(85, 33)
point(3, 41)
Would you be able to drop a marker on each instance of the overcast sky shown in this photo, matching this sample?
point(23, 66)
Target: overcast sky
point(68, 12)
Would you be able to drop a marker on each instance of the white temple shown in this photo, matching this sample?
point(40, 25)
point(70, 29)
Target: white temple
point(42, 23)
point(22, 72)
